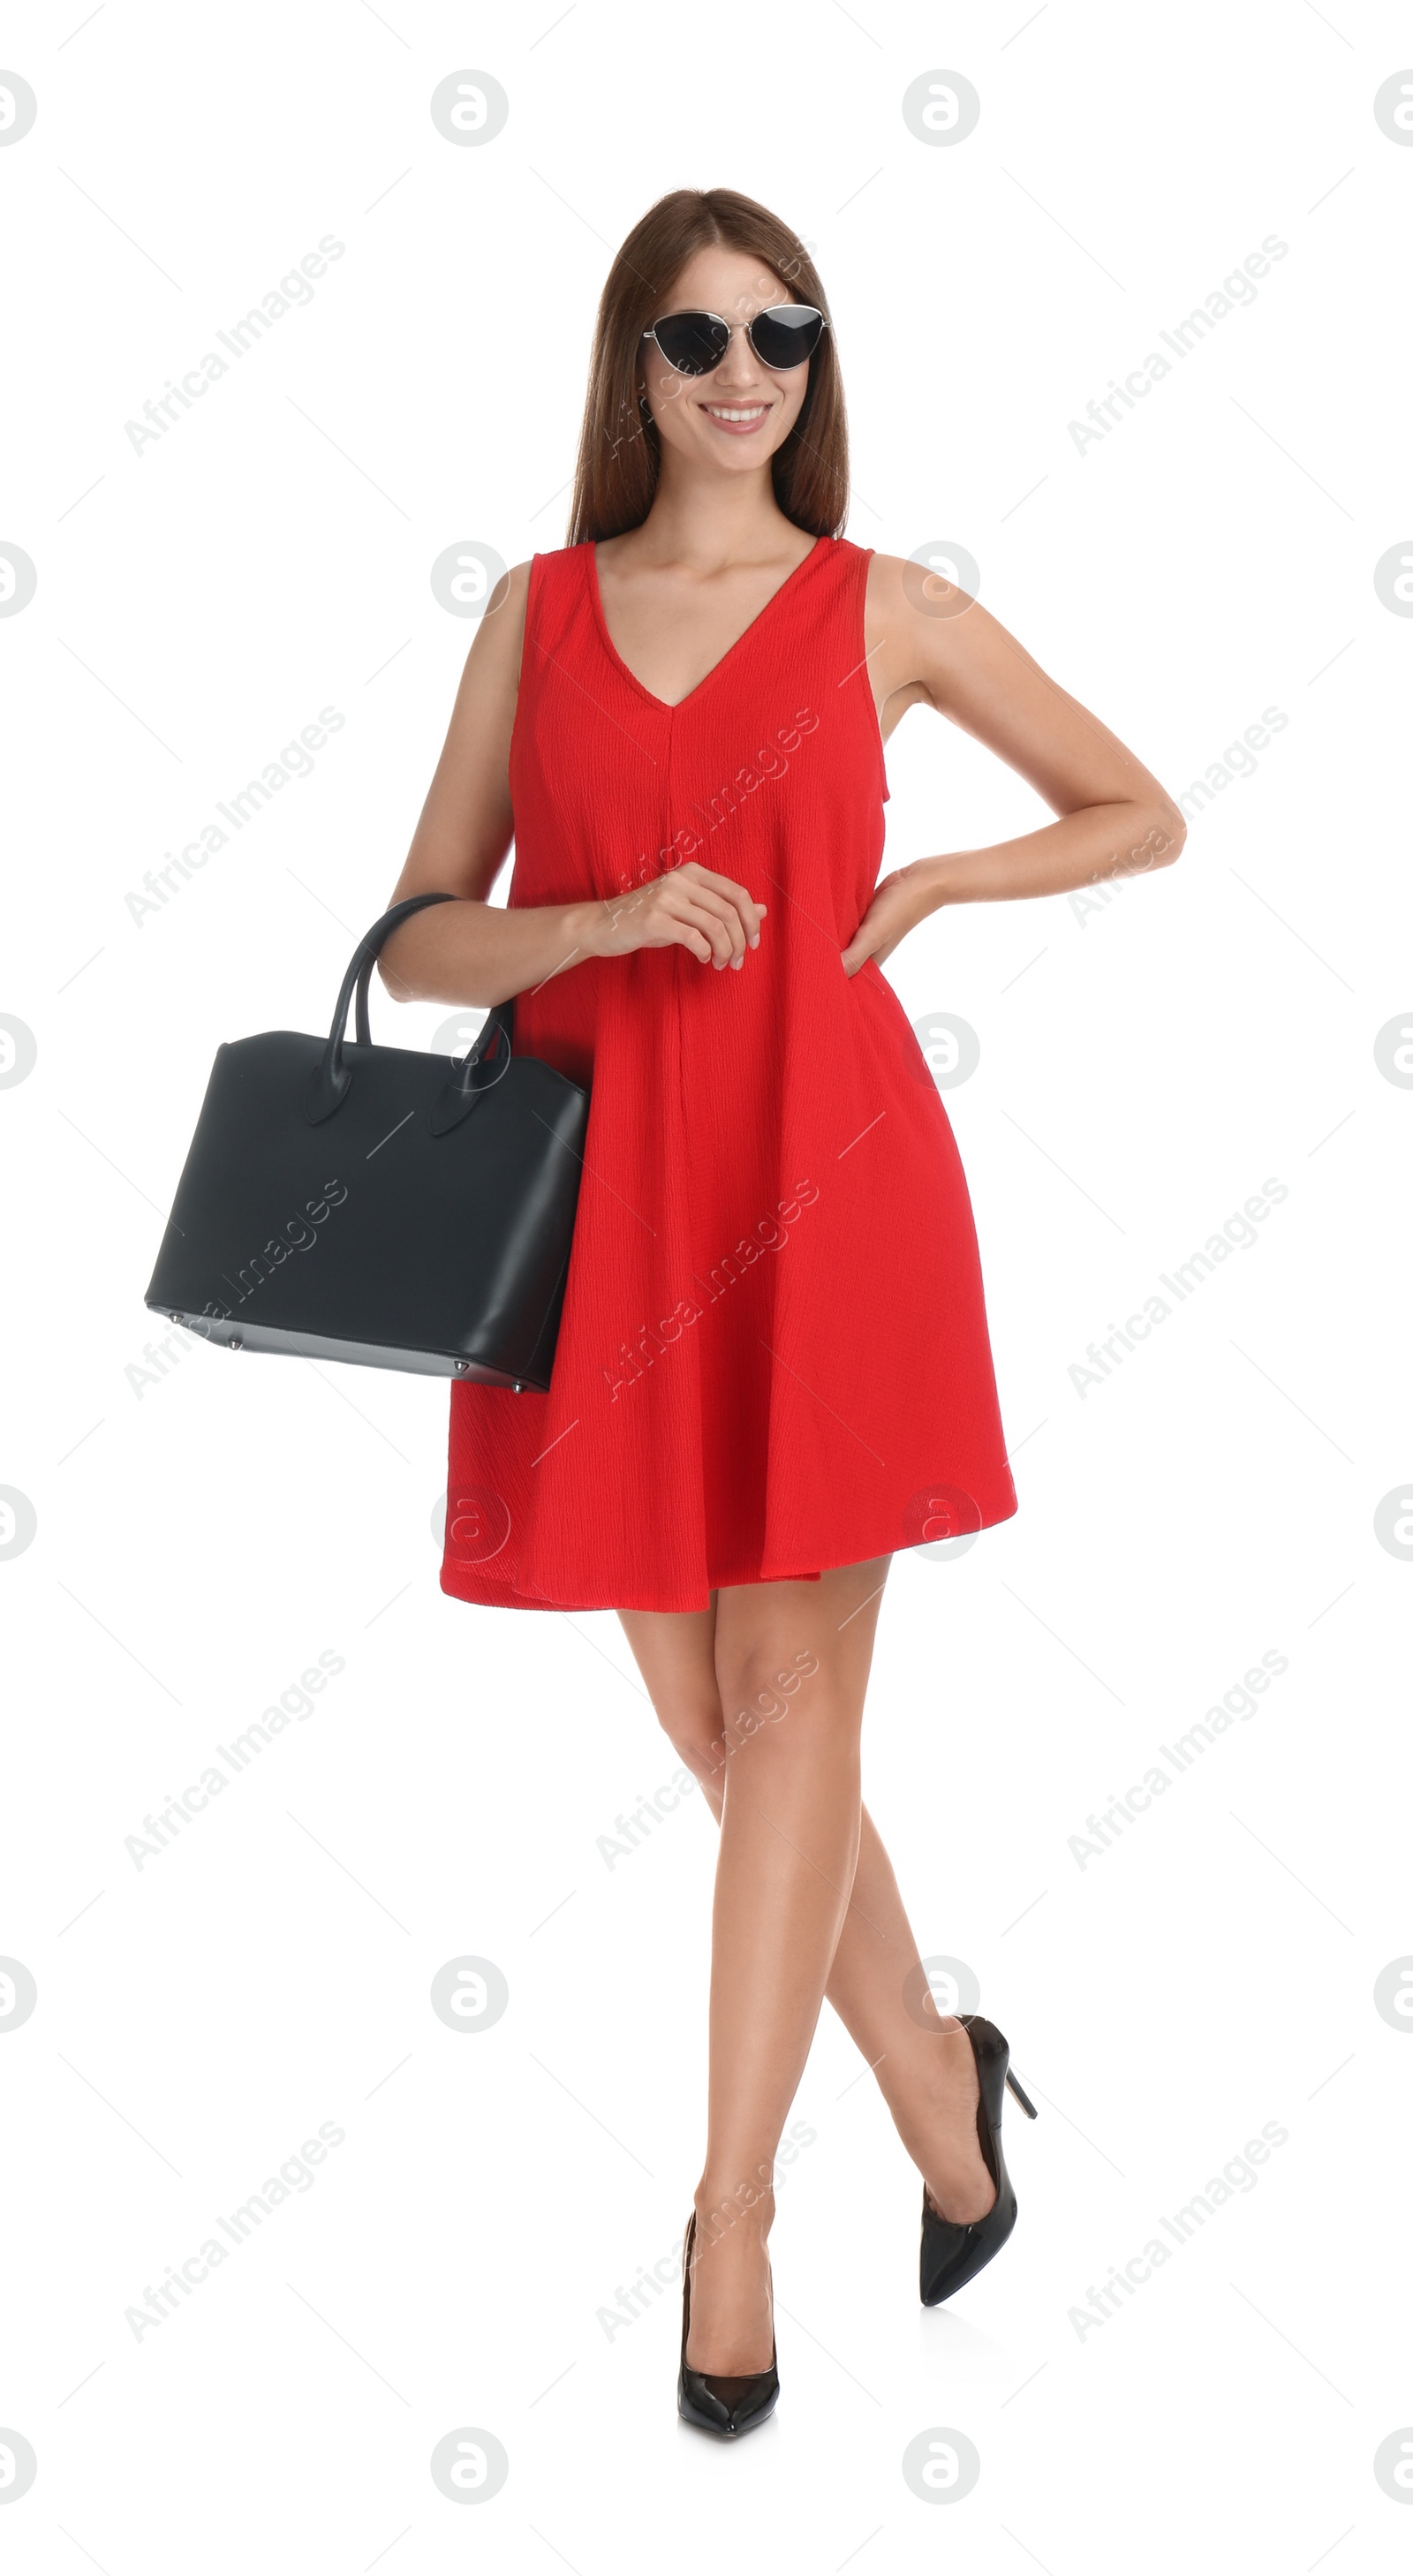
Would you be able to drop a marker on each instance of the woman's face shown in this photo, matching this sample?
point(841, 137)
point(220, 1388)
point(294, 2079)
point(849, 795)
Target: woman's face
point(737, 416)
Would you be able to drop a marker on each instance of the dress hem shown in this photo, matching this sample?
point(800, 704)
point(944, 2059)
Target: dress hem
point(510, 1596)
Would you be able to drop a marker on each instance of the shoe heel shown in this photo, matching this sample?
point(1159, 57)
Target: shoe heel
point(1021, 2095)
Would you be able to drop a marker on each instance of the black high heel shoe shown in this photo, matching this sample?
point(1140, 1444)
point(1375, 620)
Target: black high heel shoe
point(720, 2405)
point(953, 2254)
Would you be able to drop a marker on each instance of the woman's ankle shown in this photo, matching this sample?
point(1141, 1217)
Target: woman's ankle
point(721, 2207)
point(944, 2144)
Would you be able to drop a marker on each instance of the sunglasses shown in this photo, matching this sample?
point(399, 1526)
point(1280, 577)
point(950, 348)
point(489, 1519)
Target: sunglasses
point(783, 336)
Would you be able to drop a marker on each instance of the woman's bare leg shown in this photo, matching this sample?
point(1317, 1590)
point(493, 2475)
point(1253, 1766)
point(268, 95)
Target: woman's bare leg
point(762, 1695)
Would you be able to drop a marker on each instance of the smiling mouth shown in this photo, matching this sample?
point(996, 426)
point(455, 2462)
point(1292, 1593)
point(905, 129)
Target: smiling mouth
point(737, 416)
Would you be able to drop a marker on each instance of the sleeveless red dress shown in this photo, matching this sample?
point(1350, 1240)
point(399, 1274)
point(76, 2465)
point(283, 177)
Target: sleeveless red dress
point(773, 1356)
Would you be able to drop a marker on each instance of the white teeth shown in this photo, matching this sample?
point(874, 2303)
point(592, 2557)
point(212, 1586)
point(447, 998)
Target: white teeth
point(717, 412)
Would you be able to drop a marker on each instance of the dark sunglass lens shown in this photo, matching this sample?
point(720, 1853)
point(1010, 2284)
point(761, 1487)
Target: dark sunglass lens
point(692, 343)
point(786, 335)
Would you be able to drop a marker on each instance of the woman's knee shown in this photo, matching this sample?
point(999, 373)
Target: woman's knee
point(761, 1681)
point(693, 1729)
point(673, 1652)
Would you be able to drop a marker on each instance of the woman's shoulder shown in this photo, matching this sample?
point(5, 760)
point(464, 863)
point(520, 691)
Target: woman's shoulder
point(537, 573)
point(532, 596)
point(933, 582)
point(561, 555)
point(886, 577)
point(555, 573)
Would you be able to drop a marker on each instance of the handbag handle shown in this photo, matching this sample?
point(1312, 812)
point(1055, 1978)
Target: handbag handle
point(329, 1082)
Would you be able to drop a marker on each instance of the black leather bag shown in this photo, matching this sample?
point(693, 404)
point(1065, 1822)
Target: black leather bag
point(409, 1211)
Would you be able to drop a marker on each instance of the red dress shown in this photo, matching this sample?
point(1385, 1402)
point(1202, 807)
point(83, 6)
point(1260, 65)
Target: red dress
point(773, 1356)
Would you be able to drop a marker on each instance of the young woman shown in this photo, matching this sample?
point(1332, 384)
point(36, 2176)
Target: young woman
point(773, 1367)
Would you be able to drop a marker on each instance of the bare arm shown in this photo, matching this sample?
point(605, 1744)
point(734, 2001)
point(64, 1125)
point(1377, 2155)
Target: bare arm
point(1113, 815)
point(478, 952)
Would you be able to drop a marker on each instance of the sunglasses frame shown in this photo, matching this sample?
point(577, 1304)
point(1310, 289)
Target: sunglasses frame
point(731, 328)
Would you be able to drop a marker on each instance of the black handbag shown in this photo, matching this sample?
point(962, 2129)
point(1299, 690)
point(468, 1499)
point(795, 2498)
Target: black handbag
point(353, 1202)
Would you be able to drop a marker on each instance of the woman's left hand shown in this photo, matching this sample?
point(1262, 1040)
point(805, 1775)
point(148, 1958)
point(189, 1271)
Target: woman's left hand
point(891, 915)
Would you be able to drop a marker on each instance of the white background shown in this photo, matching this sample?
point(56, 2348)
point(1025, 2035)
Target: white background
point(202, 1538)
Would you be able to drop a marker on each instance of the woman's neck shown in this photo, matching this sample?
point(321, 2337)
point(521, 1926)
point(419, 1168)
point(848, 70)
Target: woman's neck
point(711, 521)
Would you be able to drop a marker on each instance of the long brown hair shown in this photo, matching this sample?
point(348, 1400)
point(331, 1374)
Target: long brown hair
point(619, 450)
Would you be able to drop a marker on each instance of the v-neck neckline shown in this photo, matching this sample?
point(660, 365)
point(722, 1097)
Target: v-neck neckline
point(671, 706)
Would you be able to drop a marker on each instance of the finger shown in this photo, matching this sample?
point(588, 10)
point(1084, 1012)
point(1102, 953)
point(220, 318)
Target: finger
point(752, 913)
point(681, 926)
point(726, 929)
point(697, 916)
point(737, 929)
point(742, 901)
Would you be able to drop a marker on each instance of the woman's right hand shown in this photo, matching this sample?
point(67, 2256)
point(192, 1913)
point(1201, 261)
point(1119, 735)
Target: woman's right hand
point(690, 907)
